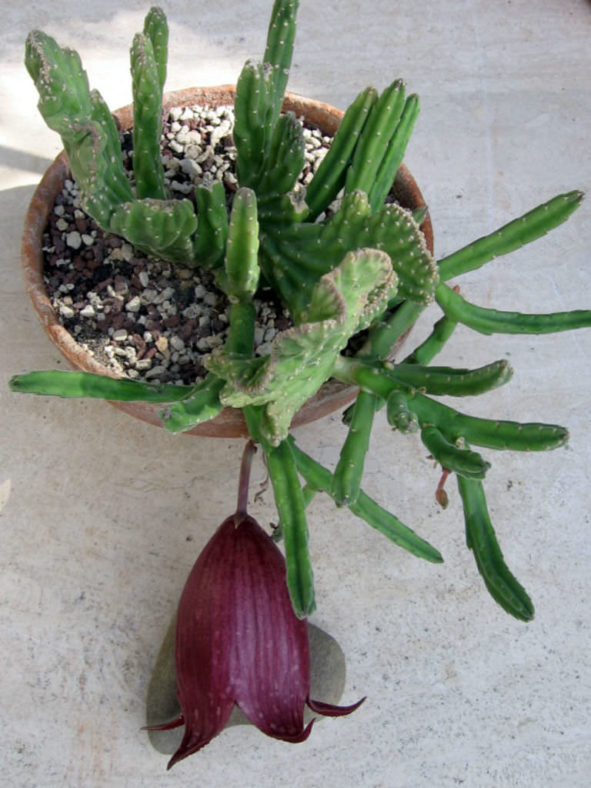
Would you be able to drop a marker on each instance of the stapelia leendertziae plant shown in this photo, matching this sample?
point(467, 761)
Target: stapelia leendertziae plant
point(238, 640)
point(339, 268)
point(342, 258)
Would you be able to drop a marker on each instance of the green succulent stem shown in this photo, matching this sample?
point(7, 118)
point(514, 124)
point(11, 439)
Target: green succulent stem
point(240, 341)
point(84, 123)
point(464, 462)
point(489, 433)
point(394, 154)
point(330, 176)
point(433, 345)
point(372, 147)
point(400, 417)
point(209, 242)
point(492, 321)
point(202, 405)
point(309, 494)
point(346, 480)
point(285, 158)
point(156, 29)
point(481, 539)
point(511, 236)
point(450, 381)
point(147, 119)
point(205, 403)
point(279, 49)
point(241, 272)
point(291, 508)
point(59, 383)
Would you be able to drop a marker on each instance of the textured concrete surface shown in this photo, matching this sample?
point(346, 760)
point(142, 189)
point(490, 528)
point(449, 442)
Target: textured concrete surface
point(102, 517)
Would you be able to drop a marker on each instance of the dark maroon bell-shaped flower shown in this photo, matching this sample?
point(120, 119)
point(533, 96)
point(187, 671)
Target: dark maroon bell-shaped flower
point(238, 640)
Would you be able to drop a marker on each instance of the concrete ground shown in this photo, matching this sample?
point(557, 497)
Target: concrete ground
point(97, 509)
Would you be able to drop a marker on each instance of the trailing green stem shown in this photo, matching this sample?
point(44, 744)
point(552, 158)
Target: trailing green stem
point(511, 236)
point(453, 382)
point(464, 462)
point(481, 539)
point(291, 507)
point(59, 383)
point(491, 321)
point(427, 350)
point(489, 433)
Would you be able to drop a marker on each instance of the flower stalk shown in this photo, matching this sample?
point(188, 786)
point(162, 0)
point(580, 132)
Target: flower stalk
point(238, 640)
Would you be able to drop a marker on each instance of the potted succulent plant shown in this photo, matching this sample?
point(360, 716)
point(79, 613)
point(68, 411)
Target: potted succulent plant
point(353, 270)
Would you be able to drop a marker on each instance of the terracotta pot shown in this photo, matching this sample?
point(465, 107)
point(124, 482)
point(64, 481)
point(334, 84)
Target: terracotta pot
point(230, 422)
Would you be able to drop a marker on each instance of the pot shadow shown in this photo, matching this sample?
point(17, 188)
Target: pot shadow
point(14, 202)
point(21, 160)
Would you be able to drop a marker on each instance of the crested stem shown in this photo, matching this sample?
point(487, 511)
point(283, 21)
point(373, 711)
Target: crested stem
point(244, 481)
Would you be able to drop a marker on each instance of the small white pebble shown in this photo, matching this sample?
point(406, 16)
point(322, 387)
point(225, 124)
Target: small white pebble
point(74, 240)
point(133, 305)
point(191, 168)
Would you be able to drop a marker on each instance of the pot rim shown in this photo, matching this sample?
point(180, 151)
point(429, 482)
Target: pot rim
point(230, 423)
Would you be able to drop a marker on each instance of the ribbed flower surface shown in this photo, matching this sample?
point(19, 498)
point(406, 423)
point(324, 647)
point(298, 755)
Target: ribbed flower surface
point(239, 641)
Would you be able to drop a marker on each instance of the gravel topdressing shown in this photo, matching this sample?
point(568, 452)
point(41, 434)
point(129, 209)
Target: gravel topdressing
point(148, 319)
